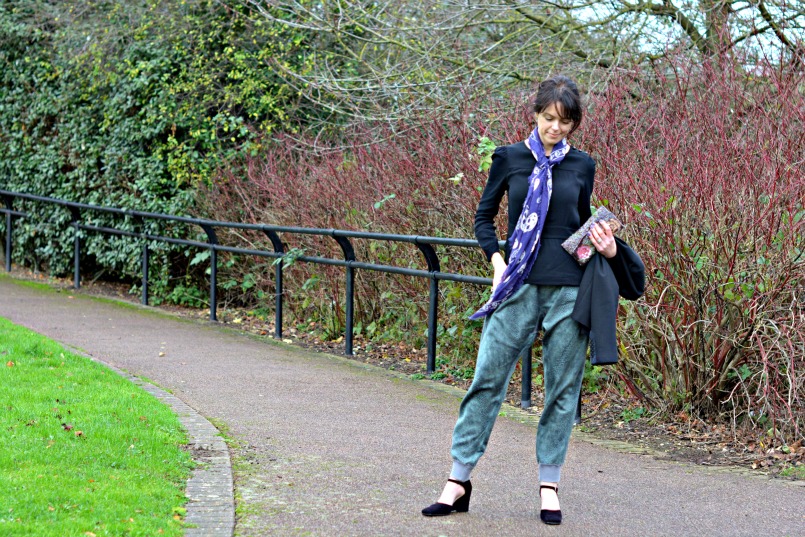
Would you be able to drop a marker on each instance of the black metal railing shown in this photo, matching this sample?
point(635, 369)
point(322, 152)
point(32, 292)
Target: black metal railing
point(341, 237)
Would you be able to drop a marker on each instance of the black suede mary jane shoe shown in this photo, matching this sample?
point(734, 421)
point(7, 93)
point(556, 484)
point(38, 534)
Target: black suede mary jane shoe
point(461, 505)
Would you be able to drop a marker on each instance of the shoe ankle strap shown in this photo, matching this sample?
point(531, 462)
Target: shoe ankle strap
point(554, 488)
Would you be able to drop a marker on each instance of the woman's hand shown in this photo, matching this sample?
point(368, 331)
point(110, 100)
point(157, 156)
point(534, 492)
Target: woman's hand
point(500, 267)
point(603, 239)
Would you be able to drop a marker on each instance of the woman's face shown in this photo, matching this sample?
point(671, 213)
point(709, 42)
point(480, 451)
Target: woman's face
point(552, 128)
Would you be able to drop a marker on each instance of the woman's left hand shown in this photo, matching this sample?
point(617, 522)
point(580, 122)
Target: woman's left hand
point(603, 239)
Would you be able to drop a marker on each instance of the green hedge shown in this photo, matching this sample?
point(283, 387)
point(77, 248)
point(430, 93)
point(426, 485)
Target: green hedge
point(133, 105)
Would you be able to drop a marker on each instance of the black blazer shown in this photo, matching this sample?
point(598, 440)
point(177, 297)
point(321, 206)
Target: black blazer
point(597, 302)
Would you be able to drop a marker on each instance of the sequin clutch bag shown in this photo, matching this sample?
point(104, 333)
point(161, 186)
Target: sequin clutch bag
point(579, 244)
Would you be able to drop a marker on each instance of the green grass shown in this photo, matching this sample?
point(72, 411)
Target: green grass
point(84, 451)
point(26, 283)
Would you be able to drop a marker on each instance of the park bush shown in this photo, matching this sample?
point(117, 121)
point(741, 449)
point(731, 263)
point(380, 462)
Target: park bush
point(131, 105)
point(705, 164)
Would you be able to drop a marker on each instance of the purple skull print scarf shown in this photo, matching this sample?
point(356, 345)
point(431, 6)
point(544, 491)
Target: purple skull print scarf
point(525, 241)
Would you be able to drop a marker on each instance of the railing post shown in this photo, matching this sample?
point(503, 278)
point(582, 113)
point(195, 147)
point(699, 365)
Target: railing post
point(280, 249)
point(349, 255)
point(433, 306)
point(8, 241)
point(350, 301)
point(144, 297)
point(9, 201)
point(144, 258)
point(525, 399)
point(433, 315)
point(213, 240)
point(213, 284)
point(76, 220)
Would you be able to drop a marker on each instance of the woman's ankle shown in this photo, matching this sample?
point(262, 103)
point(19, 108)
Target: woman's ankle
point(549, 498)
point(451, 492)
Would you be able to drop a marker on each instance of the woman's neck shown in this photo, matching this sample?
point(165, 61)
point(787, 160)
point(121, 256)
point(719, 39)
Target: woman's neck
point(546, 148)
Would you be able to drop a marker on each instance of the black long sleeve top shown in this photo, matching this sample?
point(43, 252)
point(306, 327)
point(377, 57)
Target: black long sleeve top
point(569, 208)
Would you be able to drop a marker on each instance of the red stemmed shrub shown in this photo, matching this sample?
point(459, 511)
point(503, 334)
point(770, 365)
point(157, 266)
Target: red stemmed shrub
point(705, 162)
point(413, 178)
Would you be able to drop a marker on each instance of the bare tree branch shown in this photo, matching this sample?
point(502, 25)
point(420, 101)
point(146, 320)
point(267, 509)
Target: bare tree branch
point(778, 31)
point(384, 59)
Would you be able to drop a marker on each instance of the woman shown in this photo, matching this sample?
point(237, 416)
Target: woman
point(534, 287)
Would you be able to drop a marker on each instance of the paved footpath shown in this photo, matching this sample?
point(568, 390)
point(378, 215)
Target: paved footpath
point(329, 447)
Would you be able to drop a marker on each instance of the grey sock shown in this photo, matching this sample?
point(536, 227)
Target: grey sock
point(460, 471)
point(550, 473)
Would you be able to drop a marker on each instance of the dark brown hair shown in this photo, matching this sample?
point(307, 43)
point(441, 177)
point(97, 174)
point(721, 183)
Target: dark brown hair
point(562, 90)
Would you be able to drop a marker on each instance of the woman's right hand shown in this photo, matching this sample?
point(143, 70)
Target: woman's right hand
point(500, 267)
